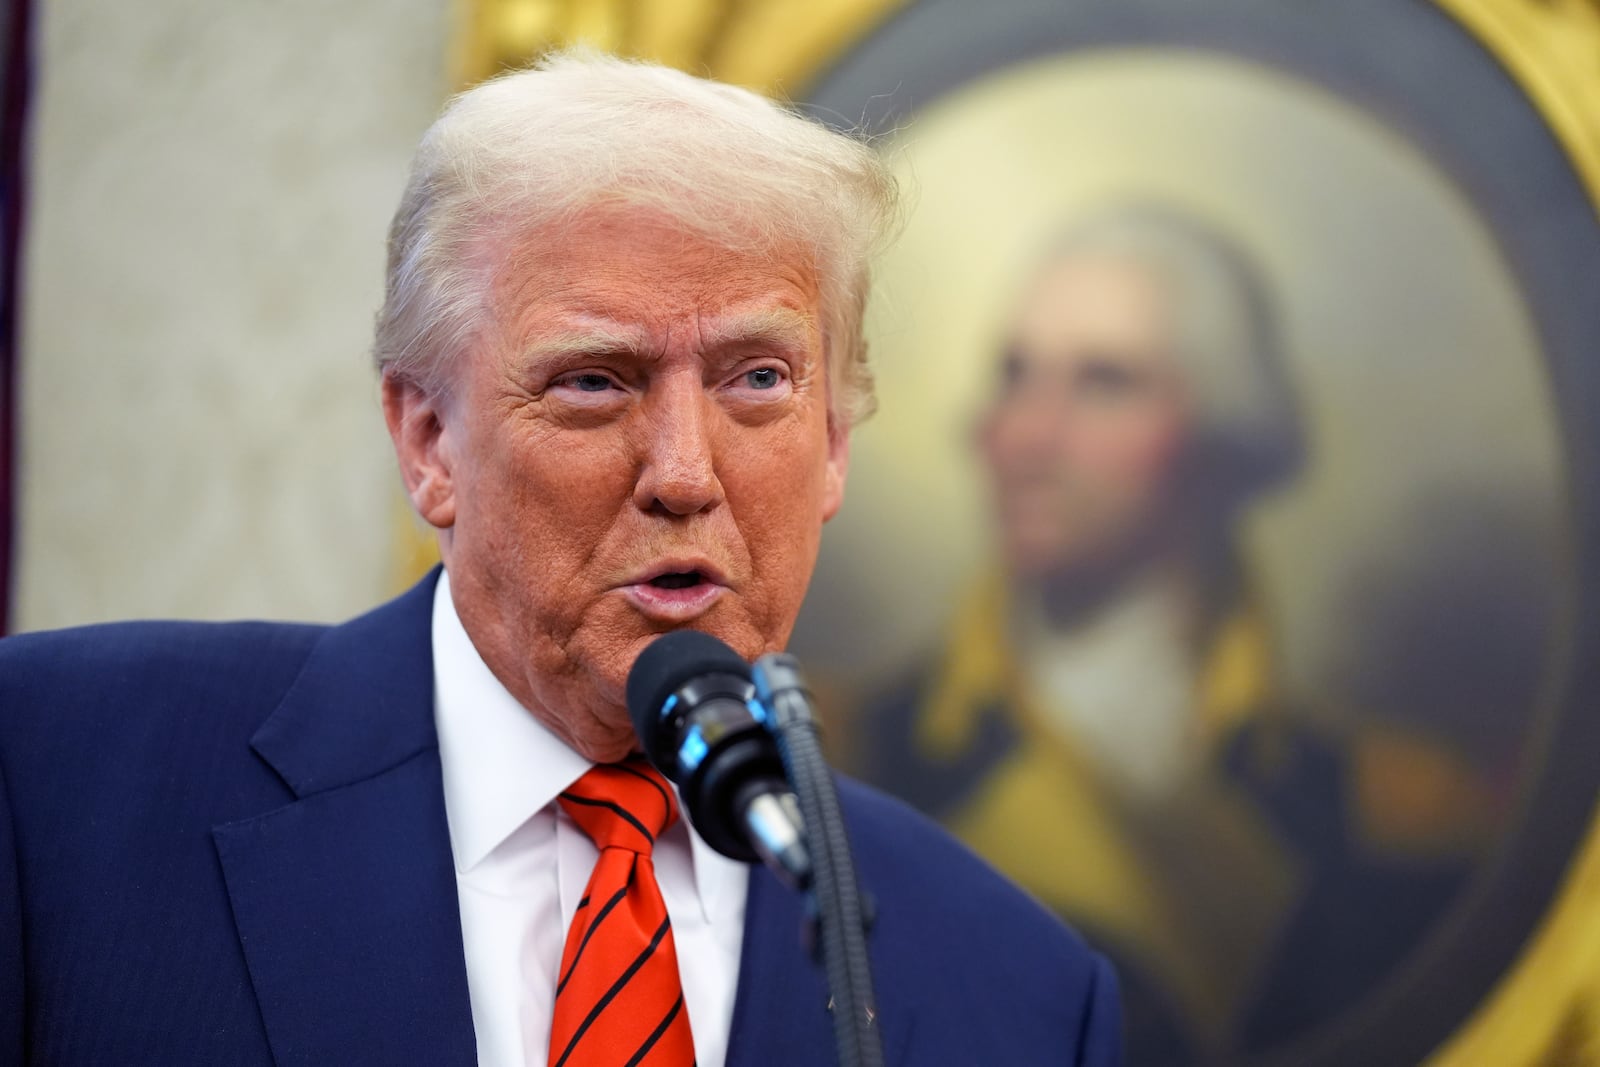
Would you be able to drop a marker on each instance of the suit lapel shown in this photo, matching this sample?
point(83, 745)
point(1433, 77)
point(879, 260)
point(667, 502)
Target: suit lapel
point(345, 900)
point(781, 1014)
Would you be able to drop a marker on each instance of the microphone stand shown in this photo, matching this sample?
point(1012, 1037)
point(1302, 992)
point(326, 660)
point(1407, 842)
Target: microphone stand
point(835, 896)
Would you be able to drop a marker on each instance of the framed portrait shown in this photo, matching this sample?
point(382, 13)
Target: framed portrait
point(1220, 562)
point(1217, 562)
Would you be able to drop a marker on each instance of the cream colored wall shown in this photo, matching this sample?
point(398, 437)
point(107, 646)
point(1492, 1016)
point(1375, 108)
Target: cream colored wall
point(211, 184)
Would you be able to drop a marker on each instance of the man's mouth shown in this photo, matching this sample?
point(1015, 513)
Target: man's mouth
point(677, 580)
point(677, 592)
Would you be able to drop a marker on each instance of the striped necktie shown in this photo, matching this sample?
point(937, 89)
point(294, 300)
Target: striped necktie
point(619, 1002)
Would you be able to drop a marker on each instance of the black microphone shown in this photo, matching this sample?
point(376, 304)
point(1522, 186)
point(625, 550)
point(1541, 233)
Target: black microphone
point(694, 710)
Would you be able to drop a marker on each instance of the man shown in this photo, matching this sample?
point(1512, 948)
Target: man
point(621, 355)
point(1105, 722)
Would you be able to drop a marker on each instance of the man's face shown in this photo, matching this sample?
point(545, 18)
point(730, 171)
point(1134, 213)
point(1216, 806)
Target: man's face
point(1084, 439)
point(641, 443)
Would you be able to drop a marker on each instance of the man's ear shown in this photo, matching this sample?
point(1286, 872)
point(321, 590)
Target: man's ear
point(838, 467)
point(423, 446)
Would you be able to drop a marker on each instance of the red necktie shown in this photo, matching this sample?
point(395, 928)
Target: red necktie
point(618, 997)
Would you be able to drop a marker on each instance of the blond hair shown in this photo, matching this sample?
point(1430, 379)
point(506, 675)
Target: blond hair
point(531, 148)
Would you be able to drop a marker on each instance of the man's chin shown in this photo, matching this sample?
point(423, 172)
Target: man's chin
point(603, 740)
point(1086, 572)
point(614, 752)
point(724, 626)
point(1041, 562)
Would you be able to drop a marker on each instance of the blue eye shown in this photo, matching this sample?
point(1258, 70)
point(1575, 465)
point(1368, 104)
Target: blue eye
point(764, 378)
point(590, 383)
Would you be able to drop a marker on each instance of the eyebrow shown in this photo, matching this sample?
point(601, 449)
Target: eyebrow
point(590, 340)
point(781, 328)
point(773, 327)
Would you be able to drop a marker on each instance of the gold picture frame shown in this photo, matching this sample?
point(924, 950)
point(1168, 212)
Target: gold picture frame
point(1545, 1010)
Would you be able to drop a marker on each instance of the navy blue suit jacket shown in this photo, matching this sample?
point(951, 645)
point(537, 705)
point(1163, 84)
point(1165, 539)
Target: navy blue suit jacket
point(226, 844)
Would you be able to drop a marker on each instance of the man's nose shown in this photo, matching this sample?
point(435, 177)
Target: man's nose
point(1030, 425)
point(679, 473)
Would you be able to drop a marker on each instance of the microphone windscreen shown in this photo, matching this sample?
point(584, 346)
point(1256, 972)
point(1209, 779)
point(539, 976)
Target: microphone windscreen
point(665, 665)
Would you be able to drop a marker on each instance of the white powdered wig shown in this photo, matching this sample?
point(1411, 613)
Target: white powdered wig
point(1228, 347)
point(533, 148)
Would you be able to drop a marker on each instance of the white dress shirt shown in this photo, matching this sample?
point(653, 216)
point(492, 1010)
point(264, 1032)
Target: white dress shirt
point(522, 865)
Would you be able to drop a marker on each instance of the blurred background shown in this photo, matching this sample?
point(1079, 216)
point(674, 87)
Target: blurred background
point(1219, 563)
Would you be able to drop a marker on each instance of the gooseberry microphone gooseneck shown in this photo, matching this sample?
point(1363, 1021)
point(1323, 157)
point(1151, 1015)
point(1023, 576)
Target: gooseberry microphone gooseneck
point(693, 708)
point(839, 905)
point(743, 749)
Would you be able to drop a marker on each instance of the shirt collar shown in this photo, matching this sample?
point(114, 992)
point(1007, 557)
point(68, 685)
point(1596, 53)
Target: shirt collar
point(501, 765)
